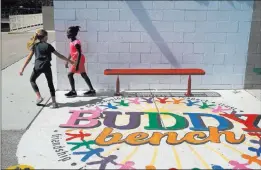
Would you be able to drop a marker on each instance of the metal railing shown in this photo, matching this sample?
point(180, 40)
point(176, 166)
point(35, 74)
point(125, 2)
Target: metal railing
point(25, 22)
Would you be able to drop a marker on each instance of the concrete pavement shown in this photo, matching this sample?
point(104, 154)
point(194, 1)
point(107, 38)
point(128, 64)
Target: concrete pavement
point(118, 131)
point(18, 98)
point(255, 92)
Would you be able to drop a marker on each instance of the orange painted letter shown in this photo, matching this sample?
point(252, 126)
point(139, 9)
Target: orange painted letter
point(137, 138)
point(214, 136)
point(115, 138)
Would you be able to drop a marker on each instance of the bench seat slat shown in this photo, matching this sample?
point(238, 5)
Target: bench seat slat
point(182, 71)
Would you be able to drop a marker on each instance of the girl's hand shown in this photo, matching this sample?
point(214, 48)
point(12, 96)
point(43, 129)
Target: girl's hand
point(72, 62)
point(21, 72)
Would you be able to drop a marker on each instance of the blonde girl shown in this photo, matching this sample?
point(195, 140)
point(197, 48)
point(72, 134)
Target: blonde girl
point(42, 50)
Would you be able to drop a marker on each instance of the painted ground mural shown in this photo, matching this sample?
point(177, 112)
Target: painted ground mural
point(157, 133)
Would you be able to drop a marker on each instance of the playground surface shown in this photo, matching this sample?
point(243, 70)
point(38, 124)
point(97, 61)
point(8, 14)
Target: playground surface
point(107, 132)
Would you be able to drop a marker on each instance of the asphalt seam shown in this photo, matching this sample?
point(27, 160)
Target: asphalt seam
point(153, 97)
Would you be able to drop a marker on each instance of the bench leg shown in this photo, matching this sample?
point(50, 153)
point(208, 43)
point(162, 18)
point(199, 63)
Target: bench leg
point(189, 87)
point(117, 93)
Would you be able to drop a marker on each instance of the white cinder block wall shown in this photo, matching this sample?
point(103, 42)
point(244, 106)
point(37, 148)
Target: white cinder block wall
point(212, 35)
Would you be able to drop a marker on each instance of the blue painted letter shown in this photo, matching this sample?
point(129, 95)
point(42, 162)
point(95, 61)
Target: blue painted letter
point(199, 125)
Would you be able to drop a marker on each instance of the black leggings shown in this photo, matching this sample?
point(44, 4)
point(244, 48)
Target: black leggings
point(49, 77)
point(84, 76)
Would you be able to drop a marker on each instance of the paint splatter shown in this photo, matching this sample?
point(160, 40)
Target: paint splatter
point(206, 106)
point(162, 100)
point(251, 159)
point(191, 103)
point(215, 167)
point(256, 150)
point(219, 109)
point(81, 144)
point(149, 100)
point(237, 165)
point(105, 160)
point(122, 103)
point(127, 165)
point(81, 135)
point(89, 153)
point(110, 106)
point(135, 101)
point(177, 101)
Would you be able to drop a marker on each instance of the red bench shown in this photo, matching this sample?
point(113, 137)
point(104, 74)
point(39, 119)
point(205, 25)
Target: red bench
point(182, 71)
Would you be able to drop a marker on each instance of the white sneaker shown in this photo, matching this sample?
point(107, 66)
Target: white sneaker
point(39, 100)
point(54, 106)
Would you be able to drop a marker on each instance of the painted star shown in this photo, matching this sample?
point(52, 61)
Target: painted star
point(217, 167)
point(177, 101)
point(205, 105)
point(110, 106)
point(80, 135)
point(149, 100)
point(219, 109)
point(162, 100)
point(80, 144)
point(190, 103)
point(122, 103)
point(135, 101)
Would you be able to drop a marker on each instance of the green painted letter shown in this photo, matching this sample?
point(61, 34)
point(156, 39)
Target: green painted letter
point(155, 121)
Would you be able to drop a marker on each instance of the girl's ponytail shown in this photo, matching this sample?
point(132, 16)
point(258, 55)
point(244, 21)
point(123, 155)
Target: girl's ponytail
point(33, 40)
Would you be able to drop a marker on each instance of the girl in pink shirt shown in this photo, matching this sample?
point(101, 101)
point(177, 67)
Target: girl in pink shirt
point(79, 58)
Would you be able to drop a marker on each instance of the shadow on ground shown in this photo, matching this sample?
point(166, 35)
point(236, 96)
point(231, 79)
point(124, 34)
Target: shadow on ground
point(79, 103)
point(253, 80)
point(100, 98)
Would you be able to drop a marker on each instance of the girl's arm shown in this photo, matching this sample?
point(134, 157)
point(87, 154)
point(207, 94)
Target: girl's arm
point(78, 47)
point(69, 57)
point(66, 64)
point(28, 59)
point(62, 57)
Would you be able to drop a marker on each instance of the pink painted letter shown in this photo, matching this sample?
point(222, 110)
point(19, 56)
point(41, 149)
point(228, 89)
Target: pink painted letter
point(77, 116)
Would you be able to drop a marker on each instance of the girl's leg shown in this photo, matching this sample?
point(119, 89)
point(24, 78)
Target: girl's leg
point(35, 74)
point(71, 80)
point(88, 81)
point(54, 103)
point(49, 78)
point(72, 93)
